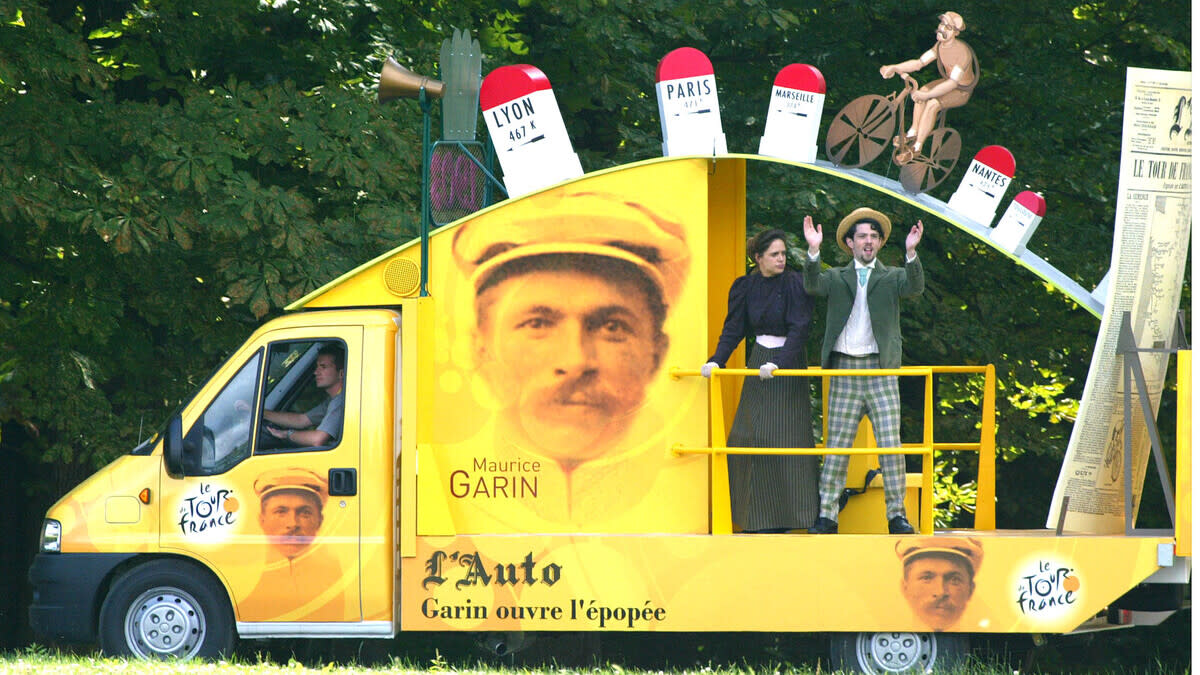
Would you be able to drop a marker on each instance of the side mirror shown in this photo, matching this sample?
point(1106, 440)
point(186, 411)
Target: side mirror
point(173, 447)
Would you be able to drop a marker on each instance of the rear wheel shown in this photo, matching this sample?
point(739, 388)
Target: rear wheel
point(861, 131)
point(166, 608)
point(879, 653)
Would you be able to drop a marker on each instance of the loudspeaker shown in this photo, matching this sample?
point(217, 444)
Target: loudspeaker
point(396, 81)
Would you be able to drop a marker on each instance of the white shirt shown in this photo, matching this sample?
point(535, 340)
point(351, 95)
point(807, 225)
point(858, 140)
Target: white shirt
point(858, 338)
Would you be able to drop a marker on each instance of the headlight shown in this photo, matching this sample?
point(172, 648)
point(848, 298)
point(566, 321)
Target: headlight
point(51, 536)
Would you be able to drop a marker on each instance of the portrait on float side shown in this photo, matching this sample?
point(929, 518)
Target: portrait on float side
point(555, 409)
point(938, 578)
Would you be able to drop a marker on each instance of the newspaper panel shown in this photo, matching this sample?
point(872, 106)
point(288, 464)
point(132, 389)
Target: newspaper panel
point(1150, 245)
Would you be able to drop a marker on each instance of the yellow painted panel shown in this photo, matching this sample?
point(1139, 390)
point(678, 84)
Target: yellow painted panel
point(1029, 582)
point(84, 512)
point(1183, 456)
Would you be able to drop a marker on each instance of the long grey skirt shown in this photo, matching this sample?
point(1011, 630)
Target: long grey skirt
point(770, 492)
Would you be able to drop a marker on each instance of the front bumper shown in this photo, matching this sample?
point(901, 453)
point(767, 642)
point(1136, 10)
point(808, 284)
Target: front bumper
point(66, 594)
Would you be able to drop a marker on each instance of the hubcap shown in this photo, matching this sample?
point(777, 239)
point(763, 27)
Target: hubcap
point(896, 652)
point(164, 622)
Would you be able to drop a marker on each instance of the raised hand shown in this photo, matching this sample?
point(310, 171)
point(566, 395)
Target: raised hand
point(813, 235)
point(914, 238)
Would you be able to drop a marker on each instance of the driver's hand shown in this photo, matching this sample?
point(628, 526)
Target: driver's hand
point(277, 432)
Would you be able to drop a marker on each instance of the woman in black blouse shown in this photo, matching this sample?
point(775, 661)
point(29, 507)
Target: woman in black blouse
point(770, 493)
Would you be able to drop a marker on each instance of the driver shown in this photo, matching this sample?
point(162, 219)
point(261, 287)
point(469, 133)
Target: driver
point(330, 375)
point(960, 72)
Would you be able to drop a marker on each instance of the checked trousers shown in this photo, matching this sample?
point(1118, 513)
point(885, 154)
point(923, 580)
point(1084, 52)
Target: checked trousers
point(877, 397)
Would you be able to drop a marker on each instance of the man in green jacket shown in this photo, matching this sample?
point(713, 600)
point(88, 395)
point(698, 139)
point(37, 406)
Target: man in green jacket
point(862, 331)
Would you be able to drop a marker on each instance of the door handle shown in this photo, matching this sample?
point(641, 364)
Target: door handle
point(343, 482)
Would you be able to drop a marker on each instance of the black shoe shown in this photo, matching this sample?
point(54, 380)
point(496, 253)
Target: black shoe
point(899, 525)
point(826, 526)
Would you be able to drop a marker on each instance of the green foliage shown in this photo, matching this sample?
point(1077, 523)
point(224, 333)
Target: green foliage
point(176, 172)
point(179, 192)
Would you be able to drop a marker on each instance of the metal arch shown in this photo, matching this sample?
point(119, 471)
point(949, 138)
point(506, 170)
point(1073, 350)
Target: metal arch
point(936, 207)
point(887, 186)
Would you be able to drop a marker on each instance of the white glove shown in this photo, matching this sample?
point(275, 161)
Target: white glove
point(766, 371)
point(706, 369)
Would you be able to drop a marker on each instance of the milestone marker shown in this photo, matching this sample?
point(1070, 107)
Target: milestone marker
point(982, 187)
point(794, 114)
point(1018, 223)
point(527, 129)
point(687, 104)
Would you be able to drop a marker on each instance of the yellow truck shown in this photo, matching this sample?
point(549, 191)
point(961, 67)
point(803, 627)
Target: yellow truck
point(531, 447)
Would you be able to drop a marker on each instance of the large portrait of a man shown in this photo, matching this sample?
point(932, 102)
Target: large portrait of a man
point(567, 311)
point(569, 320)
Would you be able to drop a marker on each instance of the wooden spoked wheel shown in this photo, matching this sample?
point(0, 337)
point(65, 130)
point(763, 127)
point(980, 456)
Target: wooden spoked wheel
point(861, 131)
point(924, 172)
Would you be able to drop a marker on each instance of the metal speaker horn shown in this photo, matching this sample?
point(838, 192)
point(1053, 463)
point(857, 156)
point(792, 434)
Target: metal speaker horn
point(396, 81)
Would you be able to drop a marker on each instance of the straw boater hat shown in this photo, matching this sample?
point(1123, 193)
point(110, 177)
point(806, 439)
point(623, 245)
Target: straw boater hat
point(859, 215)
point(967, 549)
point(581, 223)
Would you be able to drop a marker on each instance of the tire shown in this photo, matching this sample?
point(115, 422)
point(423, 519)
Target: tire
point(880, 653)
point(166, 608)
point(924, 173)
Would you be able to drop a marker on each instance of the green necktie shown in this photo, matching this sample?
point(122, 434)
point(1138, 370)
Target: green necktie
point(862, 275)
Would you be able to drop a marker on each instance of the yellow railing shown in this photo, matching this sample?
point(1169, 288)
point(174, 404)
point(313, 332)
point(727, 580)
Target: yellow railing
point(1183, 454)
point(985, 506)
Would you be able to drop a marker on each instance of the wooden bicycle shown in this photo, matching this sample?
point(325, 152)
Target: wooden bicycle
point(867, 125)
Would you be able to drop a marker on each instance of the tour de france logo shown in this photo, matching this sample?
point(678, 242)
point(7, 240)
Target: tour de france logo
point(1047, 589)
point(208, 512)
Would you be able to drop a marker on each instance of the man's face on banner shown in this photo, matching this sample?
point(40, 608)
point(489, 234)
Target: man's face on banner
point(570, 351)
point(290, 519)
point(937, 588)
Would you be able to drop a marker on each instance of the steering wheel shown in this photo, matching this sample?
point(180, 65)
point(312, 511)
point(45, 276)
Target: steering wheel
point(268, 440)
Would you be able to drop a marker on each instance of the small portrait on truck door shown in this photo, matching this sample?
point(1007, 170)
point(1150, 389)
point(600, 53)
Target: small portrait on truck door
point(291, 512)
point(568, 310)
point(939, 577)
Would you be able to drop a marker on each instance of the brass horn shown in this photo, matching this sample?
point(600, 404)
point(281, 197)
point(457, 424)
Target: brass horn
point(396, 81)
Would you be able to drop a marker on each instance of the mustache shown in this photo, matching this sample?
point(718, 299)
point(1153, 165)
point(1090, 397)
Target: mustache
point(582, 390)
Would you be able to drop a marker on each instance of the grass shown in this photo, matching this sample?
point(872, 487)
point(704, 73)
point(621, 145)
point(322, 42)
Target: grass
point(1161, 650)
point(57, 663)
point(40, 660)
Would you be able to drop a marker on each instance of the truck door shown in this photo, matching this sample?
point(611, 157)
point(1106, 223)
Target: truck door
point(270, 497)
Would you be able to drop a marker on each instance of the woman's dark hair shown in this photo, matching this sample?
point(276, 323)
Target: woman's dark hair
point(762, 241)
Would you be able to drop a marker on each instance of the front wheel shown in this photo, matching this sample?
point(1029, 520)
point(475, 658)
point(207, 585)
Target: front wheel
point(166, 608)
point(925, 172)
point(880, 653)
